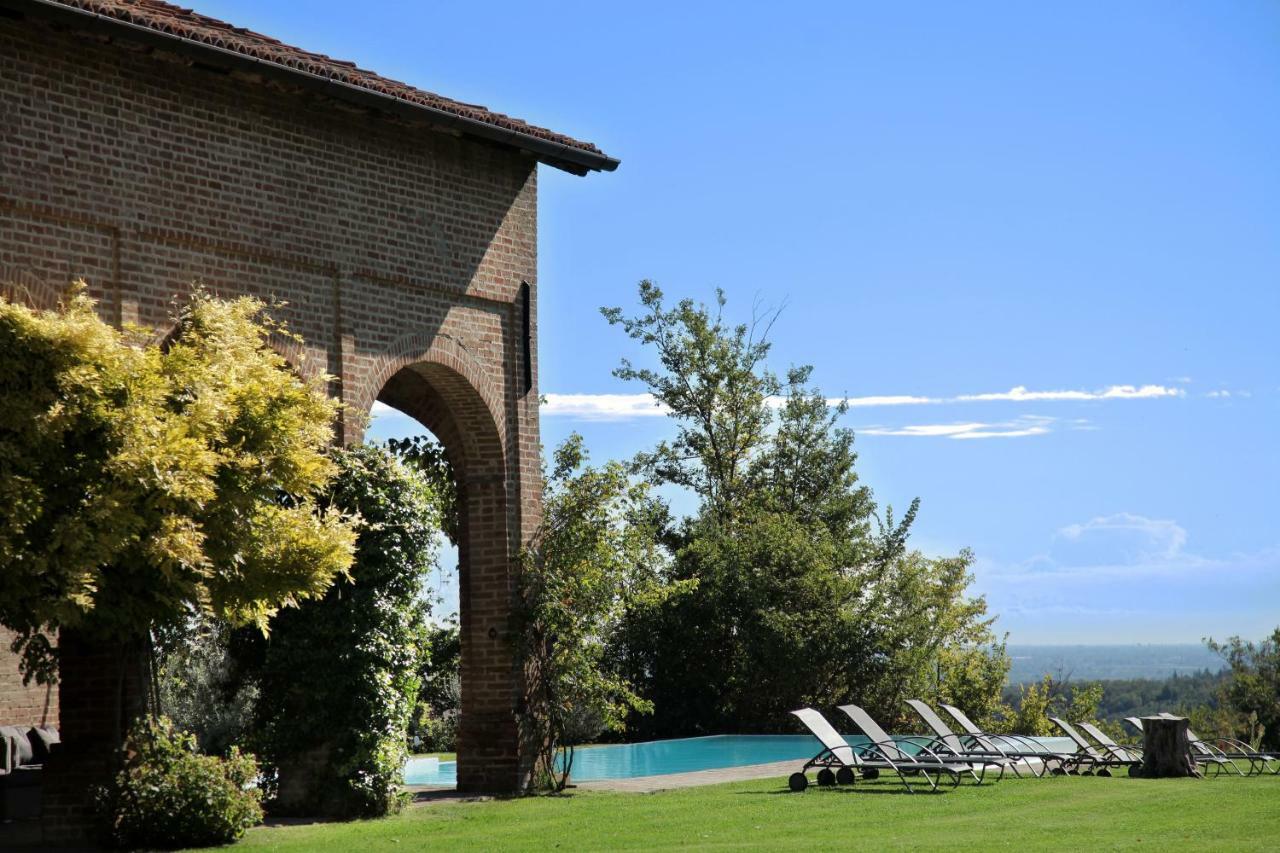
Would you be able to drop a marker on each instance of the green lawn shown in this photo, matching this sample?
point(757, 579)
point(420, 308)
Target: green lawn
point(1054, 813)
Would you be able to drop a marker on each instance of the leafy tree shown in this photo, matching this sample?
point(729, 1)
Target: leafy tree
point(1253, 690)
point(427, 456)
point(338, 677)
point(792, 598)
point(590, 560)
point(141, 483)
point(435, 722)
point(714, 383)
point(1031, 714)
point(200, 687)
point(1055, 697)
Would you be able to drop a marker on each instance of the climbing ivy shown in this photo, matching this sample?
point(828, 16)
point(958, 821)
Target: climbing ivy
point(338, 677)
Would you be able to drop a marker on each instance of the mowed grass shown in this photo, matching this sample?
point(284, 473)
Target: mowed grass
point(1071, 813)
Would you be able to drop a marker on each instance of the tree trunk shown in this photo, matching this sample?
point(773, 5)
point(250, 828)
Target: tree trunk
point(1166, 748)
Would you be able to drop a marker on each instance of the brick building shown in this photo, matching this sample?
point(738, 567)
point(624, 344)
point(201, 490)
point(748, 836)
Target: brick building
point(144, 147)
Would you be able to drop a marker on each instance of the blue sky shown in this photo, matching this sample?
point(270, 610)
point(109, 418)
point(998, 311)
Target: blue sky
point(953, 201)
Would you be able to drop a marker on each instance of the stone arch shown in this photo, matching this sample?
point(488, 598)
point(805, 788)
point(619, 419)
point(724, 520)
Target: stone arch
point(435, 380)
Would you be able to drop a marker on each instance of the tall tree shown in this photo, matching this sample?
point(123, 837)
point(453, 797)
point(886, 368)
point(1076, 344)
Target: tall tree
point(338, 677)
point(593, 558)
point(140, 483)
point(714, 382)
point(1253, 690)
point(798, 593)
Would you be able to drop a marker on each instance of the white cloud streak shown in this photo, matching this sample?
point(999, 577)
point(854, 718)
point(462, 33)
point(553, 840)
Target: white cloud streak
point(617, 407)
point(1020, 394)
point(1021, 428)
point(1165, 538)
point(603, 407)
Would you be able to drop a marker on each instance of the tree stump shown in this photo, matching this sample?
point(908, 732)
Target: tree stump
point(1166, 749)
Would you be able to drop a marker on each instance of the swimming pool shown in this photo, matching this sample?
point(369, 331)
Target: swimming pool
point(652, 758)
point(660, 757)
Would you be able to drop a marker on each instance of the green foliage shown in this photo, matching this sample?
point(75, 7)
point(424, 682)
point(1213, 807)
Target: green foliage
point(1053, 697)
point(199, 686)
point(339, 676)
point(713, 382)
point(427, 456)
point(1031, 716)
point(798, 593)
point(970, 676)
point(434, 727)
point(1253, 690)
point(140, 483)
point(591, 559)
point(168, 795)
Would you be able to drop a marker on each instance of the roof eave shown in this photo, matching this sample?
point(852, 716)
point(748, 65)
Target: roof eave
point(558, 155)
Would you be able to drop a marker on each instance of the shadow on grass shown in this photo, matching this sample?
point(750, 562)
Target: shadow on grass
point(862, 788)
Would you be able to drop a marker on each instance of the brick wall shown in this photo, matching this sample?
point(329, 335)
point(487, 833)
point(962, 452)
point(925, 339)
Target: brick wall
point(399, 251)
point(22, 705)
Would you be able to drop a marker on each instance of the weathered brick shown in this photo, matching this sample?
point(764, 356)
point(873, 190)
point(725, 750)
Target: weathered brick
point(397, 250)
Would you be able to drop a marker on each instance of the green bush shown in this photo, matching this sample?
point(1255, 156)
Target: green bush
point(199, 687)
point(338, 678)
point(168, 795)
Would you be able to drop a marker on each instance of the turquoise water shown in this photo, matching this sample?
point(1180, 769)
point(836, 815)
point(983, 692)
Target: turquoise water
point(653, 758)
point(660, 757)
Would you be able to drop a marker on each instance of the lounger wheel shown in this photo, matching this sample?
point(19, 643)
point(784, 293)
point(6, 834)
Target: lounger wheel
point(844, 776)
point(826, 778)
point(1135, 769)
point(1104, 772)
point(797, 781)
point(871, 773)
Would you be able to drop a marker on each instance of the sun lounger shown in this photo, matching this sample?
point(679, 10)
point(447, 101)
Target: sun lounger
point(1099, 759)
point(969, 747)
point(887, 753)
point(1016, 746)
point(836, 753)
point(1125, 752)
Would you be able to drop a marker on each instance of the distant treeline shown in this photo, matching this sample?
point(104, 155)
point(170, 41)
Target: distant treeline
point(1138, 696)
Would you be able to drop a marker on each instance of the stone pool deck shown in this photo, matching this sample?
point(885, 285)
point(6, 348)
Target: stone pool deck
point(667, 781)
point(640, 784)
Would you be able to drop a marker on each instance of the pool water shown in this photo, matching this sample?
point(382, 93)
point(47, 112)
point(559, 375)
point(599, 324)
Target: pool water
point(653, 758)
point(680, 755)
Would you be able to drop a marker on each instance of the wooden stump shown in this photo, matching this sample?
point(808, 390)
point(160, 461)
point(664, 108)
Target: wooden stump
point(1166, 748)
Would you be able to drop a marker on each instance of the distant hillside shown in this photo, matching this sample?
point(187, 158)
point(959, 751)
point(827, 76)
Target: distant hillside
point(1087, 663)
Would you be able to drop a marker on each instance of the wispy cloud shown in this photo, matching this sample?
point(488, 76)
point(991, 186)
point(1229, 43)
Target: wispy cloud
point(1095, 578)
point(1123, 545)
point(884, 400)
point(614, 407)
point(603, 407)
point(1158, 538)
point(1021, 394)
point(1022, 427)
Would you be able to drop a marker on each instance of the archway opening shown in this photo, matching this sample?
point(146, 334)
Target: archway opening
point(457, 415)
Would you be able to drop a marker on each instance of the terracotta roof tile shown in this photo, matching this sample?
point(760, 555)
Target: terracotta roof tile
point(191, 26)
